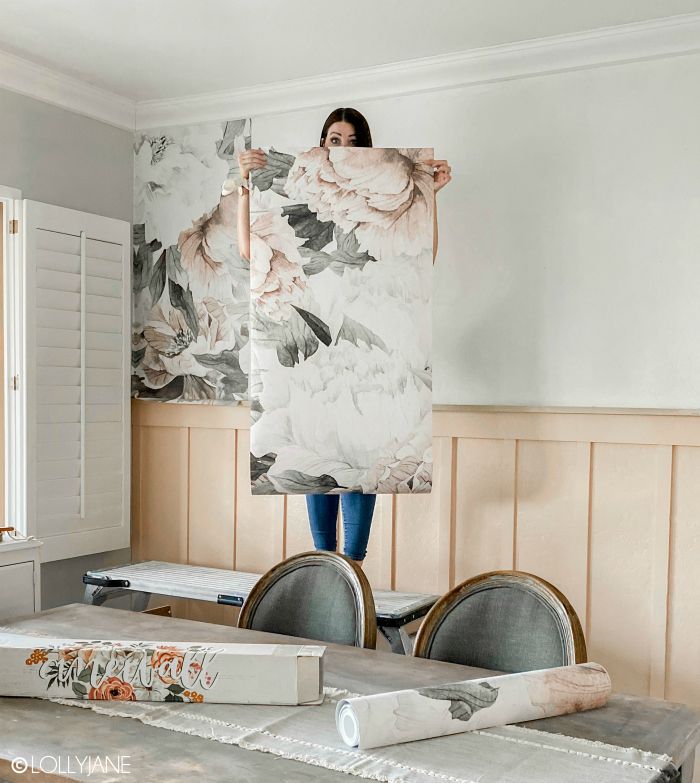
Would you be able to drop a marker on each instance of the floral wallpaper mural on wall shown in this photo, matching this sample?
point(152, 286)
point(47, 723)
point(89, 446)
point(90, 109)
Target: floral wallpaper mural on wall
point(190, 287)
point(341, 271)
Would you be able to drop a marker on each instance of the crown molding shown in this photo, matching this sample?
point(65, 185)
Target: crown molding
point(670, 36)
point(51, 86)
point(666, 37)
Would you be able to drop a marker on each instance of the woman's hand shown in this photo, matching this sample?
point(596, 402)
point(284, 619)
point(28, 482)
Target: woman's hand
point(248, 160)
point(442, 174)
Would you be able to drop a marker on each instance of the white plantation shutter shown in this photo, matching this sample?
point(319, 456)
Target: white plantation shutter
point(76, 385)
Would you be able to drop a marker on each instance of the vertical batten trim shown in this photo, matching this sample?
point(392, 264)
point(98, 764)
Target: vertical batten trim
point(453, 513)
point(83, 375)
point(660, 573)
point(188, 482)
point(284, 526)
point(235, 497)
point(671, 541)
point(385, 542)
point(589, 547)
point(136, 517)
point(279, 554)
point(445, 487)
point(393, 543)
point(515, 503)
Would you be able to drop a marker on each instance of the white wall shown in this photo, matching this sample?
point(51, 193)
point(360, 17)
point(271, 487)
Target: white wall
point(568, 267)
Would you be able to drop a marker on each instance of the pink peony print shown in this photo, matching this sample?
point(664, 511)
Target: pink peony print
point(386, 195)
point(172, 348)
point(276, 276)
point(207, 247)
point(569, 689)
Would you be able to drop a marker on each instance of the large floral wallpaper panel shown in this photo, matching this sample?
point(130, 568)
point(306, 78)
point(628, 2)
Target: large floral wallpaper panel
point(340, 357)
point(190, 287)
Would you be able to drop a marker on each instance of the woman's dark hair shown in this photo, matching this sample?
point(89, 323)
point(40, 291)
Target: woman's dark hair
point(363, 137)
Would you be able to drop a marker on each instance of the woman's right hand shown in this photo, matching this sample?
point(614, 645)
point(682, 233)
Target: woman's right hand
point(248, 160)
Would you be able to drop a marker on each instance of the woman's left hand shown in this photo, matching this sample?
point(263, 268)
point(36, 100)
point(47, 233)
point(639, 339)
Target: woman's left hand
point(442, 174)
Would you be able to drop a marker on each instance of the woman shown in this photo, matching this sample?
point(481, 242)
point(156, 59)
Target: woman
point(342, 128)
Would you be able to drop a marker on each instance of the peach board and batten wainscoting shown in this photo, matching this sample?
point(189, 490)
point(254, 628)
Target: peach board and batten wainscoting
point(604, 504)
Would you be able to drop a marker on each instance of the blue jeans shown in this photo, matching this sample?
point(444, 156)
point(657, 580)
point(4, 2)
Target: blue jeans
point(357, 520)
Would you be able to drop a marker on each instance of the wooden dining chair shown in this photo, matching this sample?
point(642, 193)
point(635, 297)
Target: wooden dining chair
point(315, 595)
point(509, 621)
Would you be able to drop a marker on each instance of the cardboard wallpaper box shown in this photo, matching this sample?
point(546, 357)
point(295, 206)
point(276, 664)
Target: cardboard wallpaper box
point(160, 671)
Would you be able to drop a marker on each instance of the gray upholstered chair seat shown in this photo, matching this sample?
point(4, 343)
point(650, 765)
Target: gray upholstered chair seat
point(507, 621)
point(317, 595)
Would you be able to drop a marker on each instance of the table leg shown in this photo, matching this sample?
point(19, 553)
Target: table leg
point(400, 642)
point(97, 595)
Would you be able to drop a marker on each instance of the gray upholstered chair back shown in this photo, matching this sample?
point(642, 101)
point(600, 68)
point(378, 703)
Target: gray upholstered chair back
point(315, 595)
point(508, 621)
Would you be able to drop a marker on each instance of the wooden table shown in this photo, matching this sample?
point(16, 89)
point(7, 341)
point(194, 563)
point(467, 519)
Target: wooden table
point(33, 726)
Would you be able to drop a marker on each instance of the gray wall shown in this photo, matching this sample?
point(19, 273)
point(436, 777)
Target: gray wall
point(62, 158)
point(58, 157)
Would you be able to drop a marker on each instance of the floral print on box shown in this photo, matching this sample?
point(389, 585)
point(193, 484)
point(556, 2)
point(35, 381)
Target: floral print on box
point(190, 286)
point(341, 277)
point(138, 672)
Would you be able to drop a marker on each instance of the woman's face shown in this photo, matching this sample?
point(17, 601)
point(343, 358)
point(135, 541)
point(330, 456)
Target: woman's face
point(340, 134)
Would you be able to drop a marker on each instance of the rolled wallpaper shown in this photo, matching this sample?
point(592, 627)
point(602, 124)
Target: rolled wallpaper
point(341, 245)
point(435, 711)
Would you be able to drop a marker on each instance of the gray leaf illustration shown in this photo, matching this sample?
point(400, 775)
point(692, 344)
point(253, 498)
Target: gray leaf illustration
point(465, 698)
point(296, 482)
point(157, 281)
point(171, 391)
point(317, 326)
point(226, 146)
point(226, 362)
point(138, 234)
point(317, 233)
point(348, 252)
point(354, 332)
point(142, 258)
point(260, 465)
point(318, 260)
point(173, 267)
point(182, 299)
point(137, 357)
point(289, 346)
point(291, 338)
point(278, 165)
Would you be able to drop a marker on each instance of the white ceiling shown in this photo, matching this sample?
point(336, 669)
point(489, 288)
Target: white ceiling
point(156, 49)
